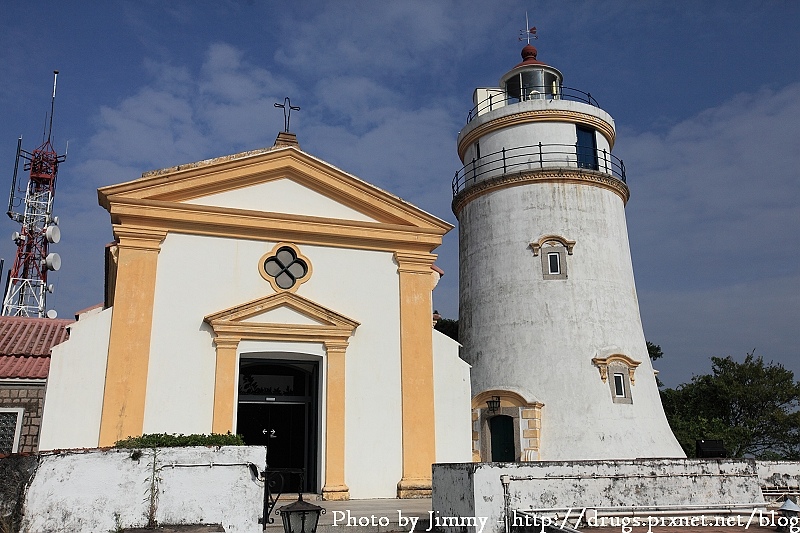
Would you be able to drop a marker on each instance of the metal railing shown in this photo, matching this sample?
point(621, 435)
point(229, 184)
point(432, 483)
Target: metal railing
point(534, 157)
point(539, 92)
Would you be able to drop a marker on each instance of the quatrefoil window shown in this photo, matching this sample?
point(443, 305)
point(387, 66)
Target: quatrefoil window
point(285, 268)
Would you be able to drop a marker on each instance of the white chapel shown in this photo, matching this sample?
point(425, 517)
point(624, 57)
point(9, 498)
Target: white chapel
point(269, 294)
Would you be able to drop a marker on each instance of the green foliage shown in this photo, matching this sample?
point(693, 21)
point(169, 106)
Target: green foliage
point(165, 440)
point(753, 407)
point(654, 351)
point(448, 327)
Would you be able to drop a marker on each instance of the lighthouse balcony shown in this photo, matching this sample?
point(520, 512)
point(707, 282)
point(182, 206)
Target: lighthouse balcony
point(493, 98)
point(538, 157)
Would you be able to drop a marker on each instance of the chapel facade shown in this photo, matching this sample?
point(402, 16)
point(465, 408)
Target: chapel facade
point(270, 294)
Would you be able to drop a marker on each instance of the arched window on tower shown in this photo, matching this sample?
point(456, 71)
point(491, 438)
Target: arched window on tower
point(553, 250)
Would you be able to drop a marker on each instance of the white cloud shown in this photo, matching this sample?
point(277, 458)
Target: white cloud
point(714, 218)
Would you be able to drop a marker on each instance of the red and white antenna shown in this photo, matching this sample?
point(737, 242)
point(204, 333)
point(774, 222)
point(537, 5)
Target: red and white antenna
point(32, 207)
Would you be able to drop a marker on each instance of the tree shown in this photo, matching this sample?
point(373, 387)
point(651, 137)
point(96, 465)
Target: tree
point(448, 327)
point(753, 407)
point(654, 351)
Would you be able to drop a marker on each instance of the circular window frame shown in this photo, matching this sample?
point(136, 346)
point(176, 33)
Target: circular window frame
point(272, 280)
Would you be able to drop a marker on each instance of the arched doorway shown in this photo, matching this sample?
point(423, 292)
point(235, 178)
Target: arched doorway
point(501, 429)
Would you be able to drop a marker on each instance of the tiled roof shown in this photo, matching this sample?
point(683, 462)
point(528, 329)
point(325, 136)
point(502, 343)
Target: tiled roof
point(25, 345)
point(24, 367)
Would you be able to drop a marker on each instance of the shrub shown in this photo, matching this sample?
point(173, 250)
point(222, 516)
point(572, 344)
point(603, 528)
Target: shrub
point(165, 440)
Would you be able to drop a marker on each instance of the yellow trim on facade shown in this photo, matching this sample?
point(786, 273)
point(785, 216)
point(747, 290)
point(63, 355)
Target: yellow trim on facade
point(602, 364)
point(566, 243)
point(547, 175)
point(189, 182)
point(272, 280)
point(145, 210)
point(416, 369)
point(540, 115)
point(333, 332)
point(129, 342)
point(255, 225)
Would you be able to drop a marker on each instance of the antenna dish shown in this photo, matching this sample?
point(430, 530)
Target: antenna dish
point(51, 313)
point(50, 288)
point(52, 234)
point(52, 262)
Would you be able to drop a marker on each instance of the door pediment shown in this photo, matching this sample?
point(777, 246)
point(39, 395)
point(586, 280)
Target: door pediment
point(257, 320)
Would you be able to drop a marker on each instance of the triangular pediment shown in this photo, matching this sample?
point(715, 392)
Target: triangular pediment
point(281, 180)
point(266, 318)
point(284, 314)
point(282, 195)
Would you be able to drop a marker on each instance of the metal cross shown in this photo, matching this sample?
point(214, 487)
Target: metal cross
point(528, 33)
point(287, 112)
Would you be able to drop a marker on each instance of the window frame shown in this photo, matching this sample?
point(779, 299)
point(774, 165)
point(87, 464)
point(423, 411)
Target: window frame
point(619, 385)
point(561, 252)
point(18, 430)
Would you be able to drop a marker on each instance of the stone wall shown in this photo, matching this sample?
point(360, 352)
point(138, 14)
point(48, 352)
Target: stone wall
point(91, 491)
point(29, 397)
point(779, 473)
point(475, 490)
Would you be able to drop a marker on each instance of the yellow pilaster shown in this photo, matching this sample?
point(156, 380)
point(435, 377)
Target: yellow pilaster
point(224, 384)
point(335, 487)
point(416, 369)
point(129, 342)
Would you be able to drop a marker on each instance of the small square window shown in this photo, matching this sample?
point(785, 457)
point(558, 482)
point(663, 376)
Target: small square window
point(619, 385)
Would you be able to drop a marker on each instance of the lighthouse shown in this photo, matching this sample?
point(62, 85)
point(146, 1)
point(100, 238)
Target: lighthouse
point(548, 308)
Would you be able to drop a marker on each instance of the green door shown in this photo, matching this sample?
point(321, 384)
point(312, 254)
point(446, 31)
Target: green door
point(501, 429)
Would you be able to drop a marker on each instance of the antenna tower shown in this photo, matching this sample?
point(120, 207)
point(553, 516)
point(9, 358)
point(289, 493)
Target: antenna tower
point(32, 207)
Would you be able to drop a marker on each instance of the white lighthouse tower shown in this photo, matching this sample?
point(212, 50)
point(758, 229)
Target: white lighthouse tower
point(548, 309)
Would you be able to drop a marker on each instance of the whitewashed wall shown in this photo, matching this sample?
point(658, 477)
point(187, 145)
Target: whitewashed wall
point(475, 489)
point(779, 473)
point(359, 284)
point(523, 331)
point(94, 491)
point(452, 397)
point(73, 401)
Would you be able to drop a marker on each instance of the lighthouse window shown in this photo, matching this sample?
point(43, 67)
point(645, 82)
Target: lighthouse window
point(553, 262)
point(586, 148)
point(620, 382)
point(619, 385)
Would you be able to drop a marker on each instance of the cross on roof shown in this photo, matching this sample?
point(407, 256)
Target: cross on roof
point(287, 112)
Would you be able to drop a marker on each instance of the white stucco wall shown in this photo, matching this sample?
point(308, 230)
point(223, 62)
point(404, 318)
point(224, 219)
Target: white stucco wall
point(476, 490)
point(74, 398)
point(521, 330)
point(282, 196)
point(359, 284)
point(90, 492)
point(779, 473)
point(452, 398)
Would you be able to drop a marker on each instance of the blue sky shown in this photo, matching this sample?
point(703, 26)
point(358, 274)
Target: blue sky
point(706, 98)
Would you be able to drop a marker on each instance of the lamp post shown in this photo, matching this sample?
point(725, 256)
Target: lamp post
point(300, 516)
point(788, 512)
